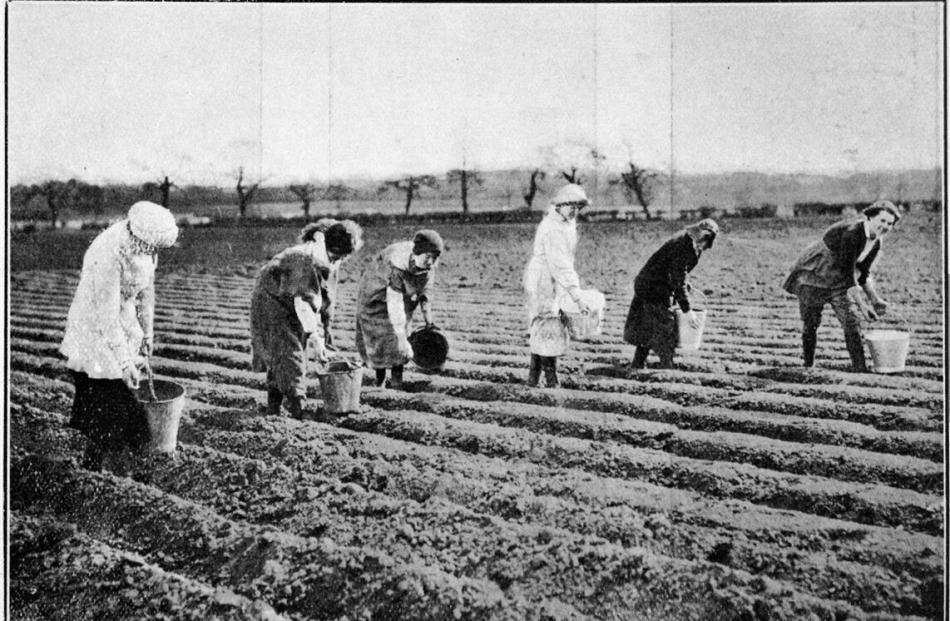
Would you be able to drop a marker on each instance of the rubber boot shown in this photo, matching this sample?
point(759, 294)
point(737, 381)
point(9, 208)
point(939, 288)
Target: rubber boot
point(395, 380)
point(274, 399)
point(856, 350)
point(534, 371)
point(549, 364)
point(380, 377)
point(294, 406)
point(640, 357)
point(809, 342)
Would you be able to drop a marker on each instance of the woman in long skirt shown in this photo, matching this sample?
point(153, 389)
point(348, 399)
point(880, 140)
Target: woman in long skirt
point(388, 296)
point(110, 327)
point(291, 290)
point(651, 320)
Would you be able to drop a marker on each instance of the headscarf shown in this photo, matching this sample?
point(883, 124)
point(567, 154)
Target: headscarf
point(427, 241)
point(704, 229)
point(882, 205)
point(152, 226)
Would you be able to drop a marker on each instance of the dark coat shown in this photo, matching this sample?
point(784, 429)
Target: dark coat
point(832, 261)
point(663, 279)
point(660, 282)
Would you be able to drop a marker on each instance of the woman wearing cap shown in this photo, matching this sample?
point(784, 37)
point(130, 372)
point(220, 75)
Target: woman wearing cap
point(291, 289)
point(110, 325)
point(388, 296)
point(550, 275)
point(308, 234)
point(830, 271)
point(651, 321)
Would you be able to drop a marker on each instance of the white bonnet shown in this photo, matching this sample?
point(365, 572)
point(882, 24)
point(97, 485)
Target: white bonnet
point(153, 224)
point(570, 193)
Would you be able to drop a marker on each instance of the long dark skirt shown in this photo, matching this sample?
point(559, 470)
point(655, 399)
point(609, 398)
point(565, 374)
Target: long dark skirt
point(107, 412)
point(652, 326)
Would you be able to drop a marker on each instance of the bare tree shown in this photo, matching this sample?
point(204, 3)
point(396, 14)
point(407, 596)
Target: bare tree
point(163, 187)
point(464, 177)
point(244, 193)
point(642, 183)
point(305, 193)
point(573, 177)
point(411, 185)
point(536, 174)
point(338, 192)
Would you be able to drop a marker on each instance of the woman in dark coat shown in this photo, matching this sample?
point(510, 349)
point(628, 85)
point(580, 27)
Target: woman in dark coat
point(830, 271)
point(291, 289)
point(651, 321)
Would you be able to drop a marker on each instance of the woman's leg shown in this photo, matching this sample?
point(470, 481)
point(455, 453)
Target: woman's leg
point(847, 311)
point(274, 396)
point(549, 364)
point(811, 320)
point(395, 381)
point(640, 356)
point(534, 370)
point(380, 377)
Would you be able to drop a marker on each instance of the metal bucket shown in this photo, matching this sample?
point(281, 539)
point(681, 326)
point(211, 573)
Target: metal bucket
point(690, 338)
point(430, 349)
point(164, 413)
point(340, 385)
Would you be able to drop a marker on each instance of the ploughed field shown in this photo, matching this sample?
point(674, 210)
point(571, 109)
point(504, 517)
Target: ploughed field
point(738, 486)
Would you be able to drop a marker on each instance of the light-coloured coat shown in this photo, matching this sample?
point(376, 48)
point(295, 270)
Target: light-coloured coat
point(113, 308)
point(550, 277)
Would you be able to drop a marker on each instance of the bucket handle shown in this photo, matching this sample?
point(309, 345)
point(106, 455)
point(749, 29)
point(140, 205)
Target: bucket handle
point(151, 378)
point(705, 302)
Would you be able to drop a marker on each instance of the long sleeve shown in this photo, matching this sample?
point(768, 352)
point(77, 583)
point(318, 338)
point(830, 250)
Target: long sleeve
point(104, 309)
point(146, 310)
point(396, 309)
point(559, 254)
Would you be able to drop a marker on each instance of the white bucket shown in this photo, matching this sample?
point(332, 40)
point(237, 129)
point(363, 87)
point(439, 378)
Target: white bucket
point(690, 338)
point(888, 349)
point(582, 327)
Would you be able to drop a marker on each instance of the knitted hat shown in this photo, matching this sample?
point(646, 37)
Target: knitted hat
point(570, 193)
point(152, 224)
point(429, 241)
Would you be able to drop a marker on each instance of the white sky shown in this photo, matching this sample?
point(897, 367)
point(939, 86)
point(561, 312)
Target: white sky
point(130, 91)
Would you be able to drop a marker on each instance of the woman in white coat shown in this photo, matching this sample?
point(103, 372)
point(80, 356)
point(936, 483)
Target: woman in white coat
point(550, 276)
point(110, 326)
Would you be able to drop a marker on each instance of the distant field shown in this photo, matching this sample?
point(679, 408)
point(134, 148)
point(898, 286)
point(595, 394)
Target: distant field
point(738, 487)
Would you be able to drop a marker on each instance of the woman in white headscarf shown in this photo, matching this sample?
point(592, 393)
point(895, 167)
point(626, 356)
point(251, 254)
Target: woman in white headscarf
point(292, 289)
point(110, 326)
point(550, 274)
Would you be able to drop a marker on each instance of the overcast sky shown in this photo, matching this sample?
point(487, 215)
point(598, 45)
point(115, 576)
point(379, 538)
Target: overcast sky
point(131, 91)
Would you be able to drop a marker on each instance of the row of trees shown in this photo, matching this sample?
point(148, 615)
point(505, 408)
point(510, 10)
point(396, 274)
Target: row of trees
point(78, 196)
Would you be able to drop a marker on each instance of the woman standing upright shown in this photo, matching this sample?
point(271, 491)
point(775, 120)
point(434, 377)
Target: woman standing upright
point(651, 320)
point(389, 294)
point(110, 326)
point(291, 290)
point(550, 275)
point(832, 269)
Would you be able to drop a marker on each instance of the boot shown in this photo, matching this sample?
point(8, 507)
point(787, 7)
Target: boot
point(380, 377)
point(534, 371)
point(295, 407)
point(395, 380)
point(640, 357)
point(274, 399)
point(856, 350)
point(549, 364)
point(92, 458)
point(809, 342)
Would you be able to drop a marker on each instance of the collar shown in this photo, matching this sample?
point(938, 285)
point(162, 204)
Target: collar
point(867, 229)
